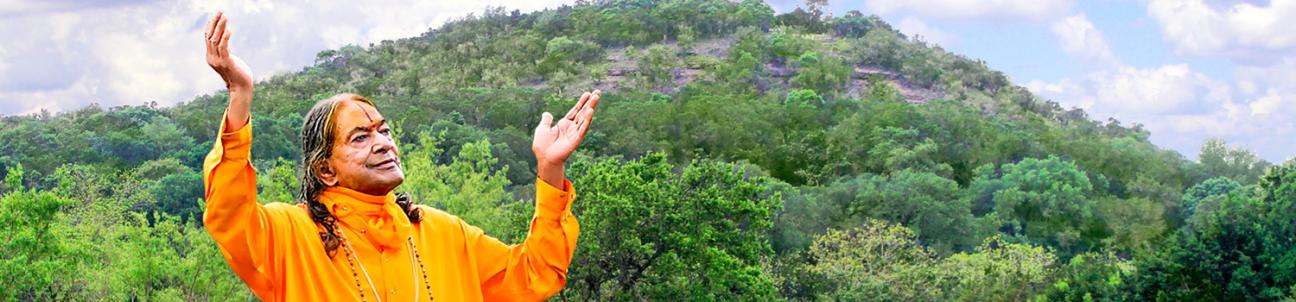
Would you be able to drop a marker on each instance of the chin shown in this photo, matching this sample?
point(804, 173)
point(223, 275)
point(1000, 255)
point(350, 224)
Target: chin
point(391, 179)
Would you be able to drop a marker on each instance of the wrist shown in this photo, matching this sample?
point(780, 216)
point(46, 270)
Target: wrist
point(552, 173)
point(239, 89)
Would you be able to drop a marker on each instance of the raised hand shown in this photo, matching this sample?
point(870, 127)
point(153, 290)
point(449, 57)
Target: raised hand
point(231, 69)
point(235, 73)
point(554, 142)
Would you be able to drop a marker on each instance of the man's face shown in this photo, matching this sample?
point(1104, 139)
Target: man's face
point(364, 153)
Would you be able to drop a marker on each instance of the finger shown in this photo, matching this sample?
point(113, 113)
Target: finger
point(546, 121)
point(220, 29)
point(572, 113)
point(211, 24)
point(585, 117)
point(223, 48)
point(594, 100)
point(580, 131)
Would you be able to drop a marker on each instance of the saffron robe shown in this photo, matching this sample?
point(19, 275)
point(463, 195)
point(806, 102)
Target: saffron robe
point(276, 248)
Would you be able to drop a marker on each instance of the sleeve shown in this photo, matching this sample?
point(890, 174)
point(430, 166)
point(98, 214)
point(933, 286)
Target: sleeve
point(241, 227)
point(537, 268)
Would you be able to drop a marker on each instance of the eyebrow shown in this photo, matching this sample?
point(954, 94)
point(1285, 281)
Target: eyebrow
point(376, 124)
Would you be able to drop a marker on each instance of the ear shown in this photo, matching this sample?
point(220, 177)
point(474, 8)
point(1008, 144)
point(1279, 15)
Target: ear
point(326, 173)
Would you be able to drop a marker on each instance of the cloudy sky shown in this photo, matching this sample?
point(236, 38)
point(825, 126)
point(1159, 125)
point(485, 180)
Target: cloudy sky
point(1188, 70)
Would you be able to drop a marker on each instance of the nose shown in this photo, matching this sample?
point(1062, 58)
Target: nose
point(383, 144)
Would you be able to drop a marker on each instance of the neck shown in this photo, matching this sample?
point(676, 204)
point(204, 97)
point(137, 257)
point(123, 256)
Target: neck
point(385, 197)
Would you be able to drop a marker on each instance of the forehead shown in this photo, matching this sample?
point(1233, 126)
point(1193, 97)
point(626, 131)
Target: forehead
point(352, 113)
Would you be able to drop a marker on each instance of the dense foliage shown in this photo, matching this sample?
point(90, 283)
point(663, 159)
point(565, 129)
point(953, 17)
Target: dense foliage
point(738, 155)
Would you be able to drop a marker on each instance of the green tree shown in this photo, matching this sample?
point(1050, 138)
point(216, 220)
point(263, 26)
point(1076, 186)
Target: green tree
point(825, 73)
point(1092, 277)
point(935, 207)
point(1207, 195)
point(470, 186)
point(1240, 250)
point(1044, 201)
point(180, 195)
point(656, 67)
point(1236, 163)
point(650, 233)
point(36, 262)
point(875, 261)
point(998, 271)
point(686, 39)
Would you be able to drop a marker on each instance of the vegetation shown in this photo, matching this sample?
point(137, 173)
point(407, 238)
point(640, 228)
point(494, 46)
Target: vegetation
point(740, 155)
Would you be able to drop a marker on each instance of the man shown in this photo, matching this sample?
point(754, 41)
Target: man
point(349, 237)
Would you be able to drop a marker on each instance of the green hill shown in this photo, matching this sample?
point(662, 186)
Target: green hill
point(738, 155)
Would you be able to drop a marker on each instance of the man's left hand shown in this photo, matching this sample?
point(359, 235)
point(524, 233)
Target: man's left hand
point(554, 142)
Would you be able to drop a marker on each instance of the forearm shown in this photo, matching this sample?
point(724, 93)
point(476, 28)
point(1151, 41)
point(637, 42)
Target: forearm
point(552, 173)
point(537, 268)
point(239, 112)
point(240, 226)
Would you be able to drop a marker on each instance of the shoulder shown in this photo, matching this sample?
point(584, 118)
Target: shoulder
point(293, 213)
point(437, 217)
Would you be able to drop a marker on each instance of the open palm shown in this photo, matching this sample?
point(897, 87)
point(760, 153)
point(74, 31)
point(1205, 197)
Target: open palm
point(554, 142)
point(236, 74)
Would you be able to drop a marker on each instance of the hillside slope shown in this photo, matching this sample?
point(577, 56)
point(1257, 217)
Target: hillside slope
point(738, 154)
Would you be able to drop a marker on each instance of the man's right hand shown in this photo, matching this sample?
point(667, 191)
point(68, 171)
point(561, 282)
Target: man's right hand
point(235, 73)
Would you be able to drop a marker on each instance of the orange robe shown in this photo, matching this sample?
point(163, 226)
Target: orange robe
point(276, 249)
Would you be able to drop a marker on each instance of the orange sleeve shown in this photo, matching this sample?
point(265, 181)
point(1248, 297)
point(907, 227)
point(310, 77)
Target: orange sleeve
point(240, 226)
point(537, 268)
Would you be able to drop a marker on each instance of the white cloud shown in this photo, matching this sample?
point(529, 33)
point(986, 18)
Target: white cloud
point(65, 55)
point(994, 10)
point(1245, 32)
point(912, 26)
point(1182, 108)
point(1168, 89)
point(1080, 38)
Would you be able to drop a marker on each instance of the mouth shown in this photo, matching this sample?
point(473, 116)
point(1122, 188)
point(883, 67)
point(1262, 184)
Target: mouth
point(388, 164)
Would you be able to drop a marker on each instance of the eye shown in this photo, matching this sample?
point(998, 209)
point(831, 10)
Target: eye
point(385, 131)
point(359, 138)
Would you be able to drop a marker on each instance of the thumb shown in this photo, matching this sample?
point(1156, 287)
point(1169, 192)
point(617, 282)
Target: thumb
point(546, 120)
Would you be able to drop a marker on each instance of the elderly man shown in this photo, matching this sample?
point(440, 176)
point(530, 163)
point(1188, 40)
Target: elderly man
point(349, 236)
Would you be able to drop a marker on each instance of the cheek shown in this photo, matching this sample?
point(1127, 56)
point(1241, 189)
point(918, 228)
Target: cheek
point(349, 158)
point(357, 158)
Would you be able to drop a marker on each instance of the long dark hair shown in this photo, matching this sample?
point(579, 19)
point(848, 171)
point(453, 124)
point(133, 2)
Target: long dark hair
point(317, 134)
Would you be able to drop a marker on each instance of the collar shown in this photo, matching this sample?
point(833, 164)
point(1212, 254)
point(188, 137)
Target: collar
point(375, 217)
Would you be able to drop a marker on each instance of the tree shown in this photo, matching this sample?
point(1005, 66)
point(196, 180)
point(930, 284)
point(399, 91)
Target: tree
point(1239, 250)
point(754, 13)
point(278, 182)
point(1092, 277)
point(1239, 164)
point(900, 149)
point(998, 271)
point(180, 195)
point(824, 73)
point(470, 186)
point(652, 234)
point(1207, 195)
point(931, 205)
point(686, 39)
point(657, 67)
point(881, 47)
point(35, 262)
point(1043, 201)
point(566, 54)
point(875, 261)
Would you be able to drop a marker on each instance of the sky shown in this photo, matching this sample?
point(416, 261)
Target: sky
point(1187, 70)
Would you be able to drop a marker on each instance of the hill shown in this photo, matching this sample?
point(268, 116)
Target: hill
point(739, 155)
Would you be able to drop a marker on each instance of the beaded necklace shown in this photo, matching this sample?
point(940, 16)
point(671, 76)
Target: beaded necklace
point(414, 258)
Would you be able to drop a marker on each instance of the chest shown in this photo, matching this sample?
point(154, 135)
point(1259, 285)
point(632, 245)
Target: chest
point(431, 263)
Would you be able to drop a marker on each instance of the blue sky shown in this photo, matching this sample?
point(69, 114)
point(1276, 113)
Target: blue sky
point(1187, 70)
